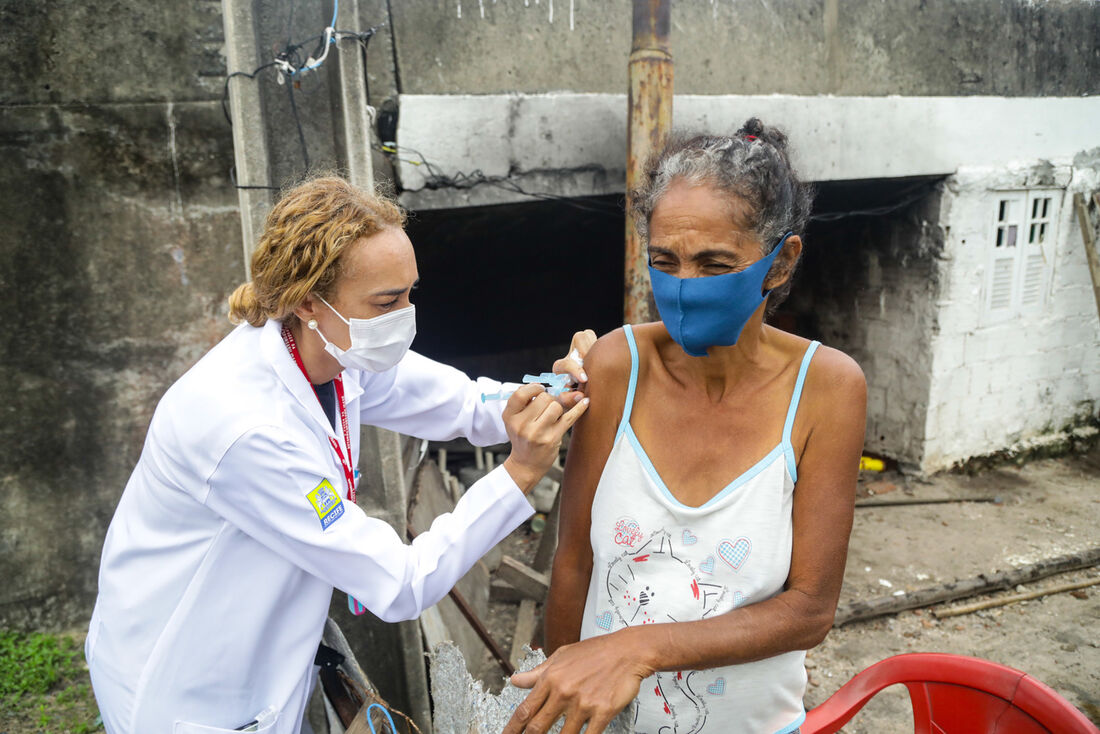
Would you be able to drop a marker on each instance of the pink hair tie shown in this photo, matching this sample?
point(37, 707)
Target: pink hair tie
point(750, 137)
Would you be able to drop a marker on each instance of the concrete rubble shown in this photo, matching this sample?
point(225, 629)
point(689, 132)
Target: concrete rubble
point(463, 706)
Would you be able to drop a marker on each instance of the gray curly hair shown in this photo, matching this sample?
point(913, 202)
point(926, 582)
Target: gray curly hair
point(752, 165)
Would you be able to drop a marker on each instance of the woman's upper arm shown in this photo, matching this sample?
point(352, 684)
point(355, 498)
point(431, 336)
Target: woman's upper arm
point(608, 368)
point(834, 408)
point(591, 442)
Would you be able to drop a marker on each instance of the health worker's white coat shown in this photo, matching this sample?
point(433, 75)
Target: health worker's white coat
point(219, 564)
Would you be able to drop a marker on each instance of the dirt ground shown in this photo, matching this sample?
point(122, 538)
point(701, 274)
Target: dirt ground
point(1047, 508)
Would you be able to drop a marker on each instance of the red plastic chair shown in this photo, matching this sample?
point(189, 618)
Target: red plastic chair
point(955, 694)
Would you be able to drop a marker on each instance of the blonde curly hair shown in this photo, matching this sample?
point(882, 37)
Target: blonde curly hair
point(304, 239)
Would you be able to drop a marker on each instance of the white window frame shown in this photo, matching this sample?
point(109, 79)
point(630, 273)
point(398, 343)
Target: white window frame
point(1020, 259)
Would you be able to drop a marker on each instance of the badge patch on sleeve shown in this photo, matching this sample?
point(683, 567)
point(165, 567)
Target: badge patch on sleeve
point(327, 503)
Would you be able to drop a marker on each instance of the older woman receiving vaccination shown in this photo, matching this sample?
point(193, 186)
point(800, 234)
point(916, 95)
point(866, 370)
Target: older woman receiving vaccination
point(708, 493)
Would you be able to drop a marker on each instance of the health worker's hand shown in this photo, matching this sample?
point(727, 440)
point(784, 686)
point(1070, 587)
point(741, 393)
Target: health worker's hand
point(573, 365)
point(588, 682)
point(535, 423)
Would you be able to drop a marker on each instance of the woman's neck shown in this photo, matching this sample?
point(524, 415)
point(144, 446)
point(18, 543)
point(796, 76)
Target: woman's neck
point(321, 367)
point(724, 367)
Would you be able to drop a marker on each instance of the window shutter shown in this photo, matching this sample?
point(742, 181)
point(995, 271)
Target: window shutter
point(1033, 278)
point(1002, 292)
point(1020, 252)
point(1000, 287)
point(1034, 268)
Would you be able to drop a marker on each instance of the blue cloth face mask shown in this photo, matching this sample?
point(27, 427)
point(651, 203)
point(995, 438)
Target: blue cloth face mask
point(700, 313)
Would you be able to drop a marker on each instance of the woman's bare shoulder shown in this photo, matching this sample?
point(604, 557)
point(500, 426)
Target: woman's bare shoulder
point(835, 381)
point(607, 365)
point(609, 357)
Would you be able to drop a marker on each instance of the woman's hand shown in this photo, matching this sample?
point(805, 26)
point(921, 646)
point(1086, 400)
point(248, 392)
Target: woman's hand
point(588, 682)
point(535, 423)
point(573, 364)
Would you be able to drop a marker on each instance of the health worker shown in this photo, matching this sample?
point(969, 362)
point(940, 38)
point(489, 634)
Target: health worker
point(240, 516)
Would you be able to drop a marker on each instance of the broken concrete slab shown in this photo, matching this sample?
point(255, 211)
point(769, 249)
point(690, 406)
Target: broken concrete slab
point(462, 706)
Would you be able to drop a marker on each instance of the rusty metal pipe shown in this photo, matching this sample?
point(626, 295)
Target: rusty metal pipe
point(649, 120)
point(475, 622)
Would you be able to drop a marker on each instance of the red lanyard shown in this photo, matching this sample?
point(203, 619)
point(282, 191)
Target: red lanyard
point(338, 382)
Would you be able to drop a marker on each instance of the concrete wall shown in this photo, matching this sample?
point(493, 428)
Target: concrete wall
point(869, 286)
point(121, 233)
point(1022, 378)
point(119, 246)
point(574, 144)
point(534, 90)
point(798, 47)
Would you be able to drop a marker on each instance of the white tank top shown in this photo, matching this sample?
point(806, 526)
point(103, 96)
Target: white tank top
point(656, 560)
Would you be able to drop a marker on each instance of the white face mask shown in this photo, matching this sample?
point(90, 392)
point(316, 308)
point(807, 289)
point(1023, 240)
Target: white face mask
point(376, 344)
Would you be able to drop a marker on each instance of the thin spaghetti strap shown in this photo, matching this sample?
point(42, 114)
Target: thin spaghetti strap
point(629, 404)
point(797, 394)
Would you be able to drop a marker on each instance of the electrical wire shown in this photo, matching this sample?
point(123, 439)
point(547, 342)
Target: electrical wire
point(298, 124)
point(291, 67)
point(467, 180)
point(463, 180)
point(921, 190)
point(289, 61)
point(328, 38)
point(385, 712)
point(233, 180)
point(225, 88)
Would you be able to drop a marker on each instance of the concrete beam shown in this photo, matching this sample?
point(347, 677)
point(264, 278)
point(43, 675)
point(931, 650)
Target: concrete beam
point(575, 144)
point(354, 131)
point(246, 112)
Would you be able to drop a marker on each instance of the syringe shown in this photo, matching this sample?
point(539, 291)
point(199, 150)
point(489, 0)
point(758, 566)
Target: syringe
point(556, 385)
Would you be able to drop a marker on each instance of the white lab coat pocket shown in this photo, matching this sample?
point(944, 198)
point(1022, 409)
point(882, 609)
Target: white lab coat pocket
point(264, 721)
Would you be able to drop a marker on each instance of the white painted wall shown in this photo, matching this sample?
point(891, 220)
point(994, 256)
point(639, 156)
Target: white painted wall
point(1008, 384)
point(553, 142)
point(886, 325)
point(945, 383)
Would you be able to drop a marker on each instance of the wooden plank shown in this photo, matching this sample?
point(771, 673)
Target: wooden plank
point(525, 630)
point(457, 601)
point(925, 501)
point(555, 473)
point(548, 543)
point(505, 592)
point(434, 628)
point(868, 609)
point(1088, 234)
point(526, 580)
point(378, 721)
point(1012, 599)
point(430, 499)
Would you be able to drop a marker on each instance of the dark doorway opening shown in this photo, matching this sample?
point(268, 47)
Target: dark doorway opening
point(504, 287)
point(863, 236)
